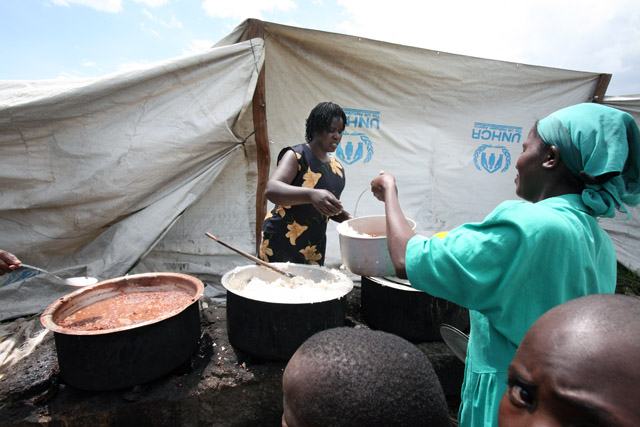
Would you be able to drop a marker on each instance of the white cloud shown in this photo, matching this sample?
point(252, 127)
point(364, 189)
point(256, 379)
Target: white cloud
point(173, 23)
point(198, 46)
point(240, 9)
point(152, 3)
point(88, 63)
point(150, 30)
point(73, 74)
point(111, 6)
point(132, 65)
point(587, 35)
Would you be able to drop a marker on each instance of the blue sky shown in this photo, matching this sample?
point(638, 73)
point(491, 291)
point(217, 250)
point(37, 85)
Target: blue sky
point(49, 39)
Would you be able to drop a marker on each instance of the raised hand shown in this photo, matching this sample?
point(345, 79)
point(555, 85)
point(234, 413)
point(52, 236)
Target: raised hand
point(382, 183)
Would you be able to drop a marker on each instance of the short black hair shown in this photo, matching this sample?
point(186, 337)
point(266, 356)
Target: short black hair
point(363, 377)
point(320, 118)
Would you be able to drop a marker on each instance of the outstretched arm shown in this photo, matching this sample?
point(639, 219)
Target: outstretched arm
point(398, 229)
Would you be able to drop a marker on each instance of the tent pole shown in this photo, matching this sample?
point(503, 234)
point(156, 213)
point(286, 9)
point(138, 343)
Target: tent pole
point(601, 88)
point(255, 29)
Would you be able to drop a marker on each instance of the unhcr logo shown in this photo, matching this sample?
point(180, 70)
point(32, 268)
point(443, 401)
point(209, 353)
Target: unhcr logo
point(496, 133)
point(357, 145)
point(494, 158)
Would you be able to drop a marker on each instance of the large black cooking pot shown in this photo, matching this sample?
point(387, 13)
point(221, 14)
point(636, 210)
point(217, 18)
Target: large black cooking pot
point(122, 357)
point(392, 305)
point(273, 330)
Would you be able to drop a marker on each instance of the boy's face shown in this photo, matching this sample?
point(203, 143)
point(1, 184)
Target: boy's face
point(557, 378)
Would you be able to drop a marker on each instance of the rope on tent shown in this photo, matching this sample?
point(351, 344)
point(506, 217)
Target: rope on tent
point(255, 60)
point(252, 133)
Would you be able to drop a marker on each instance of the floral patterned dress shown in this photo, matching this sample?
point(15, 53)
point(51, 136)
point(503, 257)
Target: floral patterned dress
point(298, 233)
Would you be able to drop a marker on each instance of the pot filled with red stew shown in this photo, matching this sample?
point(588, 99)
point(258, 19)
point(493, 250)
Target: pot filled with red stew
point(125, 331)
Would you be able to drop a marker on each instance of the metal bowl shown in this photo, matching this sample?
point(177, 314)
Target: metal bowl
point(125, 356)
point(363, 254)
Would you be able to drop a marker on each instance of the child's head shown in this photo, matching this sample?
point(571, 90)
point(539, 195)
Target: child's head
point(320, 119)
point(578, 364)
point(359, 377)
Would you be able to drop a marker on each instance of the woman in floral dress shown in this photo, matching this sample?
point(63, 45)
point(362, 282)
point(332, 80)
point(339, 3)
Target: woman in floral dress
point(306, 188)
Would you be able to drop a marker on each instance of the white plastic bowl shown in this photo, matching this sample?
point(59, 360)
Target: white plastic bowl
point(362, 253)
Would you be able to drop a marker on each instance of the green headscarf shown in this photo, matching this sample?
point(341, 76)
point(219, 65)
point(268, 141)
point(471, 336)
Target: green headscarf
point(594, 140)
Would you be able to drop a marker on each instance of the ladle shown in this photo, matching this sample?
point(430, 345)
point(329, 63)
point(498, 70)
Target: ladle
point(251, 257)
point(71, 281)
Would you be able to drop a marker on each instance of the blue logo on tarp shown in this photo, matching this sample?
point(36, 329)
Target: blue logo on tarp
point(492, 158)
point(360, 119)
point(354, 146)
point(496, 133)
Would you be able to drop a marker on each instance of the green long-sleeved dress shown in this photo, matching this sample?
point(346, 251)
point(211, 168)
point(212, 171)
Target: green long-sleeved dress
point(521, 261)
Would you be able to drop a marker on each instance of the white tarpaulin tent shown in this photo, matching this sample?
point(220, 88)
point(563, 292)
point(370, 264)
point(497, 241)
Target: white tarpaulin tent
point(626, 234)
point(449, 127)
point(126, 173)
point(95, 172)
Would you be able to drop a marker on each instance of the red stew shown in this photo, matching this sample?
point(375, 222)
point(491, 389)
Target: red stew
point(126, 309)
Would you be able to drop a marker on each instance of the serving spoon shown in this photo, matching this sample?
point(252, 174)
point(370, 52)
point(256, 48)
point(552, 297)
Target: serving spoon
point(252, 258)
point(71, 281)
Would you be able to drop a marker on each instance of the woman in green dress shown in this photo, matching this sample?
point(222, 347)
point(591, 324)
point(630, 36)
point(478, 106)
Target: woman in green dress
point(577, 164)
point(306, 188)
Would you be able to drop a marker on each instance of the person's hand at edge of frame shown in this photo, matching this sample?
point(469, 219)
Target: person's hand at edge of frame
point(8, 262)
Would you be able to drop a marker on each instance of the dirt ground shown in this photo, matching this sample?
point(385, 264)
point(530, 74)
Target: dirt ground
point(218, 385)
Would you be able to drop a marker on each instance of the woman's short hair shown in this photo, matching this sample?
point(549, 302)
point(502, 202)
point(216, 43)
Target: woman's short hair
point(320, 118)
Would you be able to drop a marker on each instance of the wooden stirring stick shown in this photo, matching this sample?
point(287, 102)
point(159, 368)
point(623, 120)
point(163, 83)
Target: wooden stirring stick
point(251, 257)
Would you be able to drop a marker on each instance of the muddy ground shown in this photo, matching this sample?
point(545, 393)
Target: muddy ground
point(217, 386)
